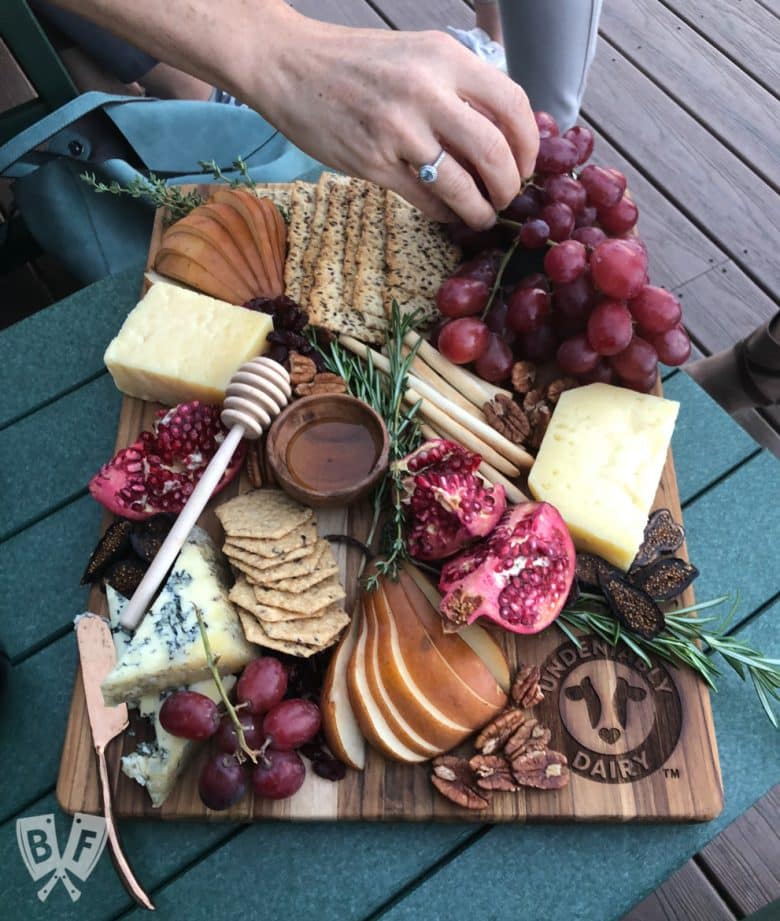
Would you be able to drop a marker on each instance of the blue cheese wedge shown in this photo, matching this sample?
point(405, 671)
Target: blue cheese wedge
point(156, 765)
point(167, 650)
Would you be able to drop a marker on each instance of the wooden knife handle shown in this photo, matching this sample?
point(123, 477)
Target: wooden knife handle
point(120, 861)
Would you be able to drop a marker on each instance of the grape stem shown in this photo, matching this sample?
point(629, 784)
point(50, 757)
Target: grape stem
point(500, 274)
point(244, 748)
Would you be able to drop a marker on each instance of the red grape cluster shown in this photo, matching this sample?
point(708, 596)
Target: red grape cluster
point(272, 725)
point(590, 306)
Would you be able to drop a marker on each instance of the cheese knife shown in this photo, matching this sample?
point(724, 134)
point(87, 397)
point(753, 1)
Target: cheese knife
point(98, 657)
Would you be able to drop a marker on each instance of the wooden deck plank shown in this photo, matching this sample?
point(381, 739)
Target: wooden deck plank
point(701, 79)
point(412, 15)
point(745, 31)
point(745, 858)
point(343, 12)
point(686, 896)
point(722, 195)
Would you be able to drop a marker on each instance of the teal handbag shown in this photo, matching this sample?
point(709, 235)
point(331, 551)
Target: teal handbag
point(122, 138)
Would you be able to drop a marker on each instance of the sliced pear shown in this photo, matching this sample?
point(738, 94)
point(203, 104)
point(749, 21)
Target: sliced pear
point(341, 729)
point(367, 712)
point(182, 268)
point(235, 224)
point(204, 226)
point(387, 696)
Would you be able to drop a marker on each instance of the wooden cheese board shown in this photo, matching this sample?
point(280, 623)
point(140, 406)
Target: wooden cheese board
point(655, 759)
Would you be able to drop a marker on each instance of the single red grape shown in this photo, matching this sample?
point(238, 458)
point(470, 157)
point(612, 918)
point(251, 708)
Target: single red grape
point(547, 125)
point(604, 189)
point(600, 373)
point(620, 218)
point(462, 297)
point(226, 738)
point(610, 327)
point(527, 308)
point(464, 340)
point(534, 233)
point(560, 220)
point(278, 775)
point(565, 262)
point(655, 310)
point(291, 723)
point(590, 236)
point(475, 241)
point(673, 346)
point(636, 362)
point(641, 386)
point(556, 155)
point(189, 715)
point(262, 684)
point(618, 268)
point(483, 267)
point(538, 345)
point(527, 204)
point(497, 323)
point(534, 280)
point(495, 363)
point(583, 140)
point(222, 782)
point(567, 190)
point(575, 300)
point(575, 356)
point(587, 217)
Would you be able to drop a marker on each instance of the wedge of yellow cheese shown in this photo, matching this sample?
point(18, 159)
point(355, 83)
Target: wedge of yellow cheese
point(600, 464)
point(177, 345)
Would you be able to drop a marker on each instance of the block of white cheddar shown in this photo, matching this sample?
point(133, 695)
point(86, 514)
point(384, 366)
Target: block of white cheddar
point(177, 345)
point(600, 464)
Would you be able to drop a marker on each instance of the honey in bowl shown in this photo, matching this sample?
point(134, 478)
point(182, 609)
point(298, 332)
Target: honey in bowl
point(331, 454)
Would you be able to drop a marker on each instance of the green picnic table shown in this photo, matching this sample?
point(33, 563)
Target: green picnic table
point(58, 418)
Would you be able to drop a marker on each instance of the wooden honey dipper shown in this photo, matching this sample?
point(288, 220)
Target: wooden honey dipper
point(256, 394)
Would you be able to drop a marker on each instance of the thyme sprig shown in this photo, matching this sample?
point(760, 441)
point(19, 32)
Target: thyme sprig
point(385, 393)
point(685, 640)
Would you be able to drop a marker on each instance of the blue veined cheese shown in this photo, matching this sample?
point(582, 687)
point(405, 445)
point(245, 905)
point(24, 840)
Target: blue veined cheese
point(156, 765)
point(600, 463)
point(167, 650)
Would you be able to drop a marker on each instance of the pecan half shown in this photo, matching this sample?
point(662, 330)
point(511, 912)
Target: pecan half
point(545, 770)
point(542, 417)
point(302, 369)
point(493, 773)
point(532, 401)
point(558, 386)
point(523, 376)
point(323, 382)
point(507, 418)
point(495, 734)
point(454, 779)
point(526, 691)
point(520, 738)
point(253, 471)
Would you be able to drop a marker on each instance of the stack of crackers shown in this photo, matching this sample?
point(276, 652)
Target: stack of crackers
point(287, 586)
point(354, 248)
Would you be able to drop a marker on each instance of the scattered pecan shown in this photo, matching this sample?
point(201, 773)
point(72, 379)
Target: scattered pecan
point(507, 418)
point(526, 692)
point(493, 773)
point(545, 770)
point(532, 401)
point(495, 734)
point(253, 471)
point(323, 382)
point(454, 779)
point(523, 376)
point(558, 386)
point(521, 738)
point(302, 369)
point(541, 421)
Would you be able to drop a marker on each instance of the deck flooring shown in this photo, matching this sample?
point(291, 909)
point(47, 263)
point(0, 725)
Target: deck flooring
point(684, 96)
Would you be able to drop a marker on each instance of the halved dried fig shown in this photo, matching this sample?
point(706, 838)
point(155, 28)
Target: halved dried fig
point(113, 545)
point(662, 535)
point(125, 575)
point(633, 607)
point(147, 536)
point(665, 579)
point(588, 567)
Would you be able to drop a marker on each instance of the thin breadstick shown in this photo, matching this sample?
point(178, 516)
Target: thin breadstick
point(425, 372)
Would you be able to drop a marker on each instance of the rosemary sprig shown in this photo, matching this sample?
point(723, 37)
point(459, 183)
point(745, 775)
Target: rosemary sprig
point(153, 190)
point(683, 641)
point(385, 394)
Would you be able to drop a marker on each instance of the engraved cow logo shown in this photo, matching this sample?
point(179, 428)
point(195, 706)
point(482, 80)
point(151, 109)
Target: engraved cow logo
point(624, 692)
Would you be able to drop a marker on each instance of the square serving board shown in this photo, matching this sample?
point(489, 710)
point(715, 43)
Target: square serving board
point(658, 761)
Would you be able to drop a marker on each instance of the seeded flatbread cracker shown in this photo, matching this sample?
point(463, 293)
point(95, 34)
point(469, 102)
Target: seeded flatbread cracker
point(306, 541)
point(300, 584)
point(298, 232)
point(285, 567)
point(280, 549)
point(262, 514)
point(369, 281)
point(418, 256)
point(310, 601)
point(242, 594)
point(266, 614)
point(323, 191)
point(255, 633)
point(261, 564)
point(311, 631)
point(352, 238)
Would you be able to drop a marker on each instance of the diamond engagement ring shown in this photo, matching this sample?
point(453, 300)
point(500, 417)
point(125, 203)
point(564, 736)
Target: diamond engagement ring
point(429, 172)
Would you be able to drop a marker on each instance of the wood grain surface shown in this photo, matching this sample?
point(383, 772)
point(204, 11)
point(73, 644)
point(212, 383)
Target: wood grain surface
point(656, 761)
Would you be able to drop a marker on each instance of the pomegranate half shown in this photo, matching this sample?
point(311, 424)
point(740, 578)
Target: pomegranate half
point(518, 577)
point(158, 472)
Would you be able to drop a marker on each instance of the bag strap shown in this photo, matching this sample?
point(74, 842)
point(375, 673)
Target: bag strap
point(51, 124)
